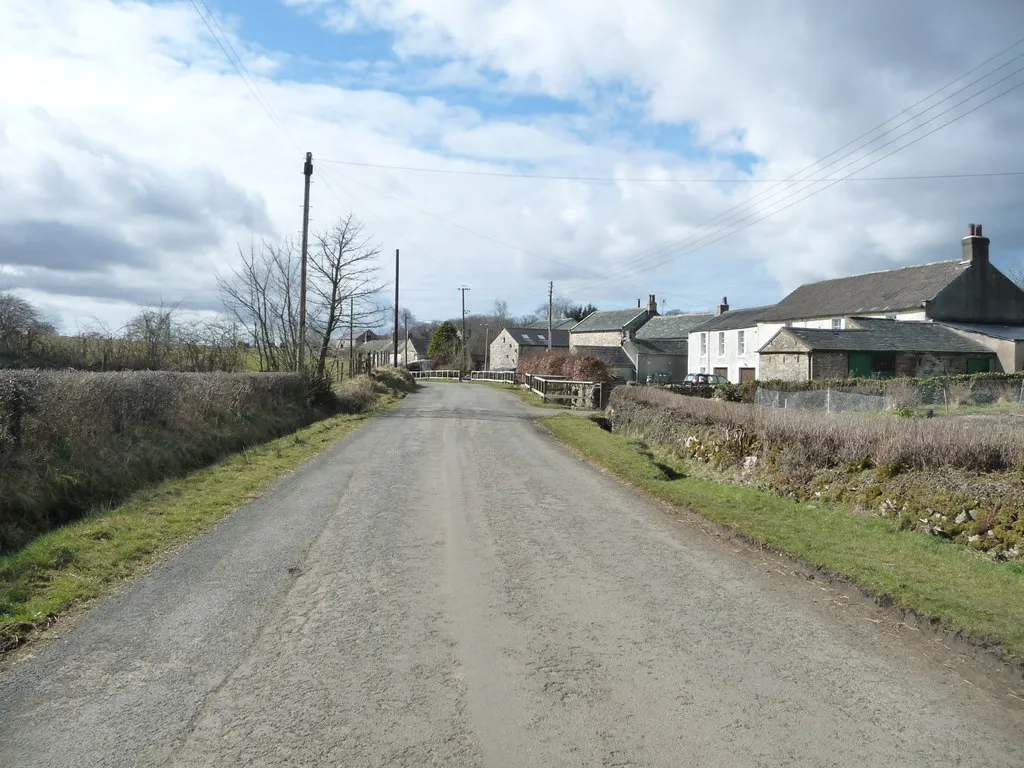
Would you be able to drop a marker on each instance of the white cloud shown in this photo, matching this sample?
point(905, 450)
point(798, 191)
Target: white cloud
point(135, 135)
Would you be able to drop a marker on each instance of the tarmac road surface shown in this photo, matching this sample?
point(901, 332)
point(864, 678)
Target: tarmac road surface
point(449, 586)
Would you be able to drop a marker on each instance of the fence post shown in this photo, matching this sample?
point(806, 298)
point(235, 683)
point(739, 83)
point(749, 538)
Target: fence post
point(828, 400)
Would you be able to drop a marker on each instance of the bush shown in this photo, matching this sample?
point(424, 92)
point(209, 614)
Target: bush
point(574, 367)
point(357, 394)
point(70, 440)
point(394, 378)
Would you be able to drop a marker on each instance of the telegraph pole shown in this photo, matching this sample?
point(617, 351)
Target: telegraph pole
point(394, 335)
point(351, 332)
point(551, 290)
point(307, 171)
point(465, 344)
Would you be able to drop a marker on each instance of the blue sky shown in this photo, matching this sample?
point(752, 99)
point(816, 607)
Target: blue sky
point(715, 90)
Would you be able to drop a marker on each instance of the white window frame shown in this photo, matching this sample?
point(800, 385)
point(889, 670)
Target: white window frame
point(721, 343)
point(837, 323)
point(741, 343)
point(703, 345)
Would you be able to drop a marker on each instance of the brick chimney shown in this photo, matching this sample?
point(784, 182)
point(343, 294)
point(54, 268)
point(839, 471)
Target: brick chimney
point(975, 246)
point(652, 304)
point(724, 306)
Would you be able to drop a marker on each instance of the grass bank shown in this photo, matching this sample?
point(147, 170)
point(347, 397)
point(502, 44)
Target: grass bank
point(935, 578)
point(86, 559)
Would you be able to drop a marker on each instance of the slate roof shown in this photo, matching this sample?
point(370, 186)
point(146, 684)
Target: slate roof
point(538, 337)
point(419, 345)
point(606, 320)
point(376, 345)
point(1007, 332)
point(889, 291)
point(878, 335)
point(734, 319)
point(609, 355)
point(656, 347)
point(672, 326)
point(558, 325)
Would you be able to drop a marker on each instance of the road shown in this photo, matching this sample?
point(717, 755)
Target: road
point(448, 586)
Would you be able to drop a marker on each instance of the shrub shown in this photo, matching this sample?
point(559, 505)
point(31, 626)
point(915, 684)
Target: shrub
point(959, 393)
point(394, 378)
point(834, 439)
point(357, 394)
point(70, 440)
point(575, 367)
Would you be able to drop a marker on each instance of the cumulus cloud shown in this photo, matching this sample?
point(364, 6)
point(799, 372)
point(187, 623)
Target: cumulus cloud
point(136, 157)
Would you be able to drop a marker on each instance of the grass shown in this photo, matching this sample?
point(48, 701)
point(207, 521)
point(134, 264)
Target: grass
point(528, 396)
point(87, 559)
point(966, 591)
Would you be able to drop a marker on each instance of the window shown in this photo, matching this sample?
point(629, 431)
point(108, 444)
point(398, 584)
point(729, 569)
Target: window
point(890, 316)
point(741, 343)
point(837, 324)
point(703, 346)
point(721, 343)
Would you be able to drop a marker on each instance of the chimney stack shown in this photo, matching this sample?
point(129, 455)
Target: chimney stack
point(724, 306)
point(652, 304)
point(638, 303)
point(975, 246)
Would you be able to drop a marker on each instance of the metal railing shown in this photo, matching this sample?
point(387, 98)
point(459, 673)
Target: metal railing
point(507, 377)
point(448, 375)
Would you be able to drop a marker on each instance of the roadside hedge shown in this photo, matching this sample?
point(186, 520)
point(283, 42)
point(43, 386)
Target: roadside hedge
point(72, 441)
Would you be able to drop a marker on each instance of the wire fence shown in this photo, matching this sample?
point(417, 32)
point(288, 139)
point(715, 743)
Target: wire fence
point(895, 395)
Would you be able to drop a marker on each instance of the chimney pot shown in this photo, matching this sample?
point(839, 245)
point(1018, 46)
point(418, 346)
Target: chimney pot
point(975, 246)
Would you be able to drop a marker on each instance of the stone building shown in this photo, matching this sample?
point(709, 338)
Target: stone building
point(872, 348)
point(659, 348)
point(610, 327)
point(513, 346)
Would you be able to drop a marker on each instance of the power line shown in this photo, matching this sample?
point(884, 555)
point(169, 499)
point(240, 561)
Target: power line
point(239, 67)
point(689, 249)
point(736, 214)
point(456, 225)
point(550, 177)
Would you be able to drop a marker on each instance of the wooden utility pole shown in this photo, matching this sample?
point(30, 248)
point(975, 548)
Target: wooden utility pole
point(395, 334)
point(465, 341)
point(351, 332)
point(487, 348)
point(551, 290)
point(307, 171)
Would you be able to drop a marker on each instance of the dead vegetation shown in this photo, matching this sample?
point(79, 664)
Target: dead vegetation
point(955, 478)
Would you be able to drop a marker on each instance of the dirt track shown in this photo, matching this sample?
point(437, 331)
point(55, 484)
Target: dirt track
point(448, 586)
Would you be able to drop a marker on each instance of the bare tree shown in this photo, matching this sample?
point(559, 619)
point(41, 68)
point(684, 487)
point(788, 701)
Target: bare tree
point(343, 273)
point(262, 294)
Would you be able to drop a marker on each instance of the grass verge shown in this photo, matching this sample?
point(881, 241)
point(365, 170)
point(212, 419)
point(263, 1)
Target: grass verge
point(86, 559)
point(964, 590)
point(528, 396)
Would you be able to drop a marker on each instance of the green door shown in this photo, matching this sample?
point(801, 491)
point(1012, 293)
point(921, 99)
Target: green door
point(977, 365)
point(860, 364)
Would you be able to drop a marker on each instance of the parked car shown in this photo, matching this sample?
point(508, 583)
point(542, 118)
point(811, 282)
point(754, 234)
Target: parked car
point(699, 384)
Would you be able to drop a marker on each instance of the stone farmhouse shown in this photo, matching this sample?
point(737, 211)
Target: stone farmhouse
point(948, 317)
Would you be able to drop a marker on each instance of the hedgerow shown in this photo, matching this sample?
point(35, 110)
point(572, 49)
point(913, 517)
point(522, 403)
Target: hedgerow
point(950, 477)
point(71, 441)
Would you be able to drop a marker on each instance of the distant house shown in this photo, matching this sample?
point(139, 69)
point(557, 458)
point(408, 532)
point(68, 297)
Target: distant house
point(610, 327)
point(377, 352)
point(359, 339)
point(513, 346)
point(727, 343)
point(414, 352)
point(563, 324)
point(868, 346)
point(968, 296)
point(659, 348)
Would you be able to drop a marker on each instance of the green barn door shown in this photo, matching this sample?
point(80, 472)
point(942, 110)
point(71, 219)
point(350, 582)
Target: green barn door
point(977, 365)
point(860, 364)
